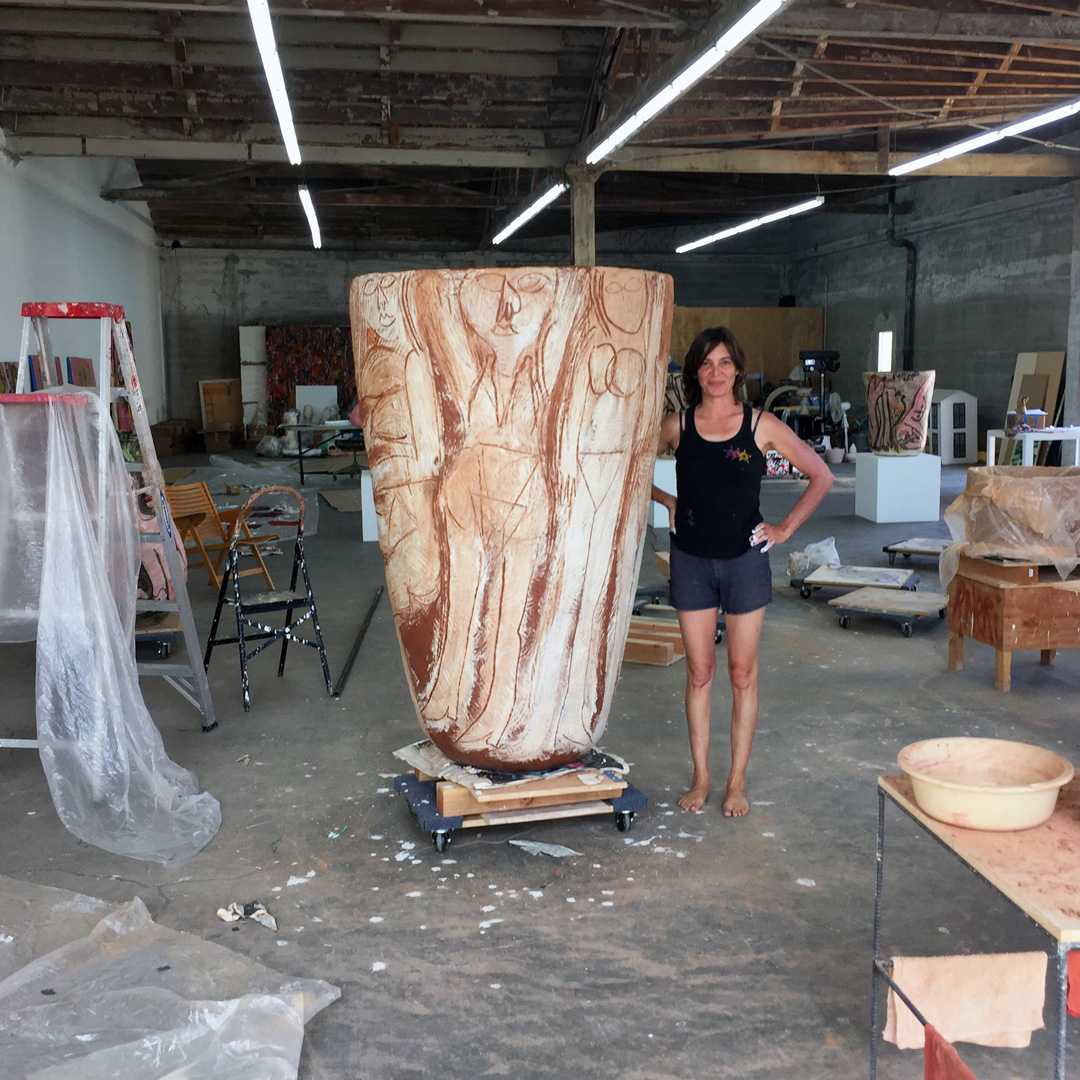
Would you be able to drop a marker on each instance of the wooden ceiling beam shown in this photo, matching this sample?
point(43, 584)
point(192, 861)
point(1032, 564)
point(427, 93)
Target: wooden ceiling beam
point(854, 24)
point(642, 159)
point(577, 13)
point(838, 163)
point(23, 104)
point(245, 56)
point(198, 150)
point(458, 137)
point(208, 199)
point(140, 25)
point(313, 85)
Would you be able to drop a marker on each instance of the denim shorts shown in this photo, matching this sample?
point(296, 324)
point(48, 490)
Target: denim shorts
point(735, 586)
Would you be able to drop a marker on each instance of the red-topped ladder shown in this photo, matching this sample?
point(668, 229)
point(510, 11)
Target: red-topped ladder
point(187, 675)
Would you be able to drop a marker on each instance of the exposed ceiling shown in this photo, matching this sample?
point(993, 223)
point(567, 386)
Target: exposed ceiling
point(427, 121)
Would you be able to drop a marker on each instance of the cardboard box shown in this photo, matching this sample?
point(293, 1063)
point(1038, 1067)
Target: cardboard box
point(173, 437)
point(218, 439)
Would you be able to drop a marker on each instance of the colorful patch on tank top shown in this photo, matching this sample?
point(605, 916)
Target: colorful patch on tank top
point(737, 455)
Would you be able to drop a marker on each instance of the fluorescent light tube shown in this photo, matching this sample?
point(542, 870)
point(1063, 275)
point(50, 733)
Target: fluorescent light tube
point(1048, 117)
point(263, 27)
point(275, 80)
point(730, 40)
point(985, 138)
point(540, 203)
point(312, 220)
point(746, 226)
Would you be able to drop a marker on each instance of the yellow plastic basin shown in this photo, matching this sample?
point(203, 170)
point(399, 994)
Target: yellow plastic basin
point(990, 784)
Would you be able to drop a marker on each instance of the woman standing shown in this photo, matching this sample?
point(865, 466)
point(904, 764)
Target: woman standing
point(720, 543)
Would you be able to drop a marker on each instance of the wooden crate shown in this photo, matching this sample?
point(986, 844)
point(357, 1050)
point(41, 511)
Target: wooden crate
point(653, 641)
point(1011, 615)
point(581, 786)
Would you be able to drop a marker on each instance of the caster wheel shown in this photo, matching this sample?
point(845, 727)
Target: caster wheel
point(941, 613)
point(845, 621)
point(623, 820)
point(719, 637)
point(804, 592)
point(907, 554)
point(905, 629)
point(442, 840)
point(892, 558)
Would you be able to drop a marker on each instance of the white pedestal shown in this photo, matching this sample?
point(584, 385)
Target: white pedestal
point(664, 478)
point(898, 488)
point(369, 525)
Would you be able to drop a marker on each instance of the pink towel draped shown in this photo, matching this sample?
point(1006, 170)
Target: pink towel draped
point(993, 999)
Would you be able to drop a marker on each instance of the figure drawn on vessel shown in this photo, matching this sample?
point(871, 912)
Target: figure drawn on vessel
point(507, 414)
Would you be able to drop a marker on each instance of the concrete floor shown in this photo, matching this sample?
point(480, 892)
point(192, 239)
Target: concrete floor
point(690, 946)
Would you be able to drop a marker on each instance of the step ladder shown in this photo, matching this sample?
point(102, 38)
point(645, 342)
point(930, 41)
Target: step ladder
point(250, 611)
point(187, 676)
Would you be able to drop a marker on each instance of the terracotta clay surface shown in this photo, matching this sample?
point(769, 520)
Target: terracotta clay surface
point(511, 420)
point(898, 410)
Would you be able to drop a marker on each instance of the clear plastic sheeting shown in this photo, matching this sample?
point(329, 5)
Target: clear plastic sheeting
point(139, 1001)
point(1027, 513)
point(67, 520)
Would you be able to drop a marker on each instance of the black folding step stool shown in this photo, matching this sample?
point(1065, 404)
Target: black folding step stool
point(261, 604)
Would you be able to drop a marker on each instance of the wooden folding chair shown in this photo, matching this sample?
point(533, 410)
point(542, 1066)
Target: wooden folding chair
point(207, 531)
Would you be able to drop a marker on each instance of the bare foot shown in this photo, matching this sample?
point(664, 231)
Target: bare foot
point(735, 804)
point(695, 798)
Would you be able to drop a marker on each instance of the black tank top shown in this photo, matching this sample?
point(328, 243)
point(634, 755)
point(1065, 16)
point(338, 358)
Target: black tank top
point(719, 489)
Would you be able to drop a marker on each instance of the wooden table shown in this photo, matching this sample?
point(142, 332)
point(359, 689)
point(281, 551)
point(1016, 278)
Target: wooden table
point(1036, 870)
point(1011, 606)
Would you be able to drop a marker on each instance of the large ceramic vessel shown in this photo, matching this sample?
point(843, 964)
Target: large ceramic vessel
point(511, 419)
point(898, 407)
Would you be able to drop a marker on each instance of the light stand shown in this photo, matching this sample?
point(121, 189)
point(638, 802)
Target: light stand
point(821, 361)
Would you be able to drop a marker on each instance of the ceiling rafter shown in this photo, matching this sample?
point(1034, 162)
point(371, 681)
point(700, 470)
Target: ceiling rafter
point(408, 108)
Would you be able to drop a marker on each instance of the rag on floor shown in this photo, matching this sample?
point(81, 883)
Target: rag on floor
point(992, 999)
point(942, 1062)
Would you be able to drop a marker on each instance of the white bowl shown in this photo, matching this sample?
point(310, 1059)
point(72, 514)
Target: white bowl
point(989, 784)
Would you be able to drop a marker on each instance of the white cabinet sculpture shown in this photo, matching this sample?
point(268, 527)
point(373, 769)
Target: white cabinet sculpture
point(511, 420)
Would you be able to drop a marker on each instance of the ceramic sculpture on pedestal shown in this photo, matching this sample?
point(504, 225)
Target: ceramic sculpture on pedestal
point(898, 409)
point(510, 418)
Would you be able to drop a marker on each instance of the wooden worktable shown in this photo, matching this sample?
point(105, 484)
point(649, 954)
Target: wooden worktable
point(1037, 869)
point(1011, 606)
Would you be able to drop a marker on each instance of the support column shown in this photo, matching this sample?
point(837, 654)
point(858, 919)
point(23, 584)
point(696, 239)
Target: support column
point(1071, 396)
point(583, 213)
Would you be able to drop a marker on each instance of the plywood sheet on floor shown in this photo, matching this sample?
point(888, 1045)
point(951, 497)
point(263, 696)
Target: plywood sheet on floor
point(346, 500)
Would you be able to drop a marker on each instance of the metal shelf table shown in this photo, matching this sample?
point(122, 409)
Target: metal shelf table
point(1029, 868)
point(322, 434)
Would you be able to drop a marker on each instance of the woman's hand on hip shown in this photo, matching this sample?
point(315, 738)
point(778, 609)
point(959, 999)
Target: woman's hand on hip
point(766, 534)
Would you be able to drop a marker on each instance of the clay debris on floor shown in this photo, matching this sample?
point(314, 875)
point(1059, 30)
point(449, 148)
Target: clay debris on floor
point(691, 945)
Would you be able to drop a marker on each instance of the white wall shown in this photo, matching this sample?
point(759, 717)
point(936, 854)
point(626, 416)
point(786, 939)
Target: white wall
point(59, 240)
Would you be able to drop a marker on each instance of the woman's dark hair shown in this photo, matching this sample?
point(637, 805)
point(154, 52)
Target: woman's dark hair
point(702, 345)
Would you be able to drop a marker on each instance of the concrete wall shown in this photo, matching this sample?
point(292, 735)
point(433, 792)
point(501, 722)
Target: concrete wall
point(61, 241)
point(993, 279)
point(207, 294)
